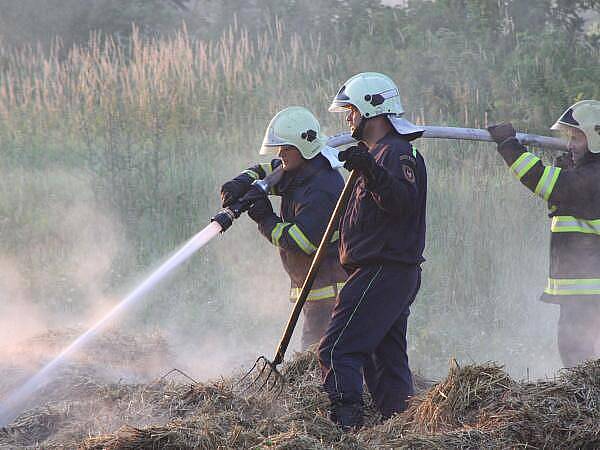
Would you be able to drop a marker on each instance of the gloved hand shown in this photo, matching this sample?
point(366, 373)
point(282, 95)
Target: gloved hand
point(358, 158)
point(260, 209)
point(233, 190)
point(501, 132)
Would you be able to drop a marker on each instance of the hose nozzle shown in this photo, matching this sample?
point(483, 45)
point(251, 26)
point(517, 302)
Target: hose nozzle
point(259, 188)
point(225, 218)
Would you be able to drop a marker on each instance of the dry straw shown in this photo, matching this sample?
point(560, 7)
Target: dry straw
point(476, 406)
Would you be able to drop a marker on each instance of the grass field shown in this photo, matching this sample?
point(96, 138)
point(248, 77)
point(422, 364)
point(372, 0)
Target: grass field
point(111, 157)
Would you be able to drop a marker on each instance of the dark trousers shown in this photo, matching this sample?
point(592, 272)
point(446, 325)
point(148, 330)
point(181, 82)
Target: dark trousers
point(579, 332)
point(367, 335)
point(317, 315)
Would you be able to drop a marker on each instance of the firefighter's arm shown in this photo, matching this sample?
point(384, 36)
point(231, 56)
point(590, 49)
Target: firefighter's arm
point(305, 232)
point(393, 185)
point(391, 182)
point(526, 167)
point(236, 188)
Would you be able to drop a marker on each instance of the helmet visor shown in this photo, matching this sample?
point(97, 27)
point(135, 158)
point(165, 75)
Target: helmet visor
point(341, 102)
point(271, 143)
point(566, 119)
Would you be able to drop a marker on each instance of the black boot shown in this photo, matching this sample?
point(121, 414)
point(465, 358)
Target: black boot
point(349, 416)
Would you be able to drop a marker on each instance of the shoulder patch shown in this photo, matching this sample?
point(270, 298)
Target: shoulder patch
point(408, 158)
point(408, 173)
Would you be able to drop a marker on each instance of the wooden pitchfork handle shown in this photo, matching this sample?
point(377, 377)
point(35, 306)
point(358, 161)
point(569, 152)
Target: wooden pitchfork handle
point(314, 268)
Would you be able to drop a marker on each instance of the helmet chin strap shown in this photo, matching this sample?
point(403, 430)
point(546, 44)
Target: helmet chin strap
point(359, 131)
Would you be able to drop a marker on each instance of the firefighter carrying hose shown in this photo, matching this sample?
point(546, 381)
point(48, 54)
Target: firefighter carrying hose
point(572, 190)
point(382, 236)
point(309, 189)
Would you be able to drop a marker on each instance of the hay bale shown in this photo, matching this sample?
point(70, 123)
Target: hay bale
point(456, 401)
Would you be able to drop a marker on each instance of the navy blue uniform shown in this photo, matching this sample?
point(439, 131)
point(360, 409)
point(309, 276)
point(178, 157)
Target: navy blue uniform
point(308, 197)
point(382, 237)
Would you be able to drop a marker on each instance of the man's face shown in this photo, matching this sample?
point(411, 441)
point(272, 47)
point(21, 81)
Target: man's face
point(290, 157)
point(577, 143)
point(352, 118)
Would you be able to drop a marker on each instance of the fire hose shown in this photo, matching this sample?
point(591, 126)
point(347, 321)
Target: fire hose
point(226, 216)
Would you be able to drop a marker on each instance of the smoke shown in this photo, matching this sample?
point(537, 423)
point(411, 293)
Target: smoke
point(19, 319)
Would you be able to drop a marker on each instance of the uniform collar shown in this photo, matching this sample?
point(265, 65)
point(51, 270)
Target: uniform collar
point(588, 158)
point(299, 177)
point(391, 137)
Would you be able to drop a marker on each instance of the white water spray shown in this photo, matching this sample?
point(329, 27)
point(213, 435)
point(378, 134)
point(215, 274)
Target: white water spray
point(10, 407)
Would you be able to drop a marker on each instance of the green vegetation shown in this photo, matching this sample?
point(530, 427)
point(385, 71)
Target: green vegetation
point(117, 146)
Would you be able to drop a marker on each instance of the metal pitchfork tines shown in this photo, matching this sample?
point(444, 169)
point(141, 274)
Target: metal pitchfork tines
point(264, 373)
point(262, 377)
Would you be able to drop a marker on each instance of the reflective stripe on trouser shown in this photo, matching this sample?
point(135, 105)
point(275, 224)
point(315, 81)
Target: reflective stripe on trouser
point(547, 181)
point(523, 164)
point(570, 224)
point(368, 332)
point(573, 286)
point(322, 293)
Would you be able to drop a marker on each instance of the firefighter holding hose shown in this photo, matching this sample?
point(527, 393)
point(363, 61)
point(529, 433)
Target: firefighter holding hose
point(572, 190)
point(309, 189)
point(382, 236)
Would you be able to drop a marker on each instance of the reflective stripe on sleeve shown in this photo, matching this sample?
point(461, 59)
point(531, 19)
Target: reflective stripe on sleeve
point(267, 168)
point(523, 164)
point(570, 286)
point(546, 184)
point(570, 224)
point(301, 240)
point(278, 231)
point(251, 173)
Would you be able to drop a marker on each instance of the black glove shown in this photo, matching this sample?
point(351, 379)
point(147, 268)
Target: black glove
point(261, 209)
point(233, 190)
point(358, 158)
point(502, 132)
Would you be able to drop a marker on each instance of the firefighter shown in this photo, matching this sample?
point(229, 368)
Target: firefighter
point(382, 236)
point(309, 190)
point(572, 190)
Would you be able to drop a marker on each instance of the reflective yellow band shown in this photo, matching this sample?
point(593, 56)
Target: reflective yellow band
point(251, 173)
point(571, 286)
point(546, 184)
point(300, 238)
point(570, 224)
point(323, 293)
point(523, 164)
point(335, 236)
point(267, 168)
point(278, 231)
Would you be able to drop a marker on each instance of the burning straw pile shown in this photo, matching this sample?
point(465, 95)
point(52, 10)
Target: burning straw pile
point(474, 407)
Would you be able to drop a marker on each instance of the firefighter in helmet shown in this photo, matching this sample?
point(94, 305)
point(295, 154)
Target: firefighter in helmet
point(382, 236)
point(309, 189)
point(572, 190)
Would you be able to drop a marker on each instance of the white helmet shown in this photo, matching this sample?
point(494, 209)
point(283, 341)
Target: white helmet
point(375, 94)
point(295, 126)
point(585, 116)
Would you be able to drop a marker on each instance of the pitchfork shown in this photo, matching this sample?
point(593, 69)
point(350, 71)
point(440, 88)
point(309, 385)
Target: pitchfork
point(264, 373)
